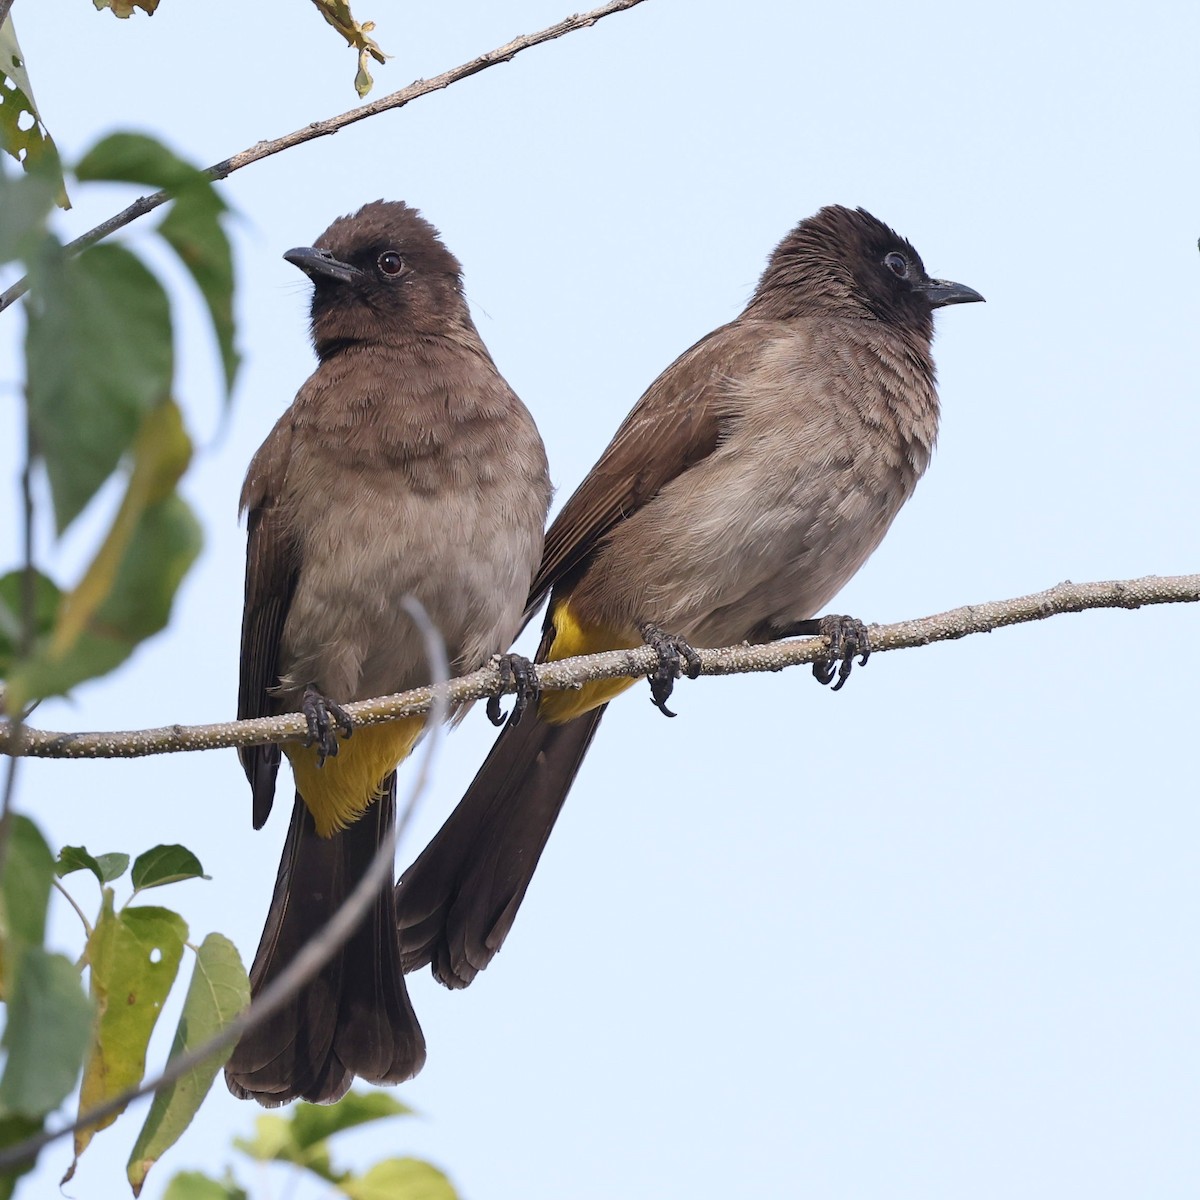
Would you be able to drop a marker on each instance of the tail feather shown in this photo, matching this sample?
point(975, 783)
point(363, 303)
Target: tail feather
point(457, 902)
point(353, 1017)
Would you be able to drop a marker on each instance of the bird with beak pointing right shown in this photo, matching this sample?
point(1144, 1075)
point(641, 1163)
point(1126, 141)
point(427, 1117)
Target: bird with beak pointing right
point(754, 477)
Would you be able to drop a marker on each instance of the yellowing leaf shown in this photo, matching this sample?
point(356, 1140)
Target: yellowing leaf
point(338, 14)
point(126, 593)
point(134, 957)
point(399, 1179)
point(124, 8)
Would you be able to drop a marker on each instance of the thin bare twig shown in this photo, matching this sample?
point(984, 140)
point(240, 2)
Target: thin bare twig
point(315, 953)
point(421, 87)
point(614, 664)
point(57, 884)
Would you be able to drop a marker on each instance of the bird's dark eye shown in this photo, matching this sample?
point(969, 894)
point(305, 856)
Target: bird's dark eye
point(390, 263)
point(897, 264)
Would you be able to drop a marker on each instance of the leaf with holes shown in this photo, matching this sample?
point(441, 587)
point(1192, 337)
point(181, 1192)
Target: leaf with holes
point(32, 145)
point(134, 957)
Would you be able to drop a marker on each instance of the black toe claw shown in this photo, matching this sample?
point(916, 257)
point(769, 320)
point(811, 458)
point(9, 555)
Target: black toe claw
point(322, 715)
point(848, 639)
point(518, 674)
point(676, 657)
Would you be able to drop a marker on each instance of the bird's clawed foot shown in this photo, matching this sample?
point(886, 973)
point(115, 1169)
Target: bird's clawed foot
point(325, 717)
point(848, 639)
point(675, 658)
point(516, 672)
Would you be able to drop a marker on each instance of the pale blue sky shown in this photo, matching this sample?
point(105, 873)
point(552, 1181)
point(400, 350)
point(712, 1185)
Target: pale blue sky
point(932, 937)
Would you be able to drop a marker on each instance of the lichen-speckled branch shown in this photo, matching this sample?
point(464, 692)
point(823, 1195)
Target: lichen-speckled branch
point(421, 87)
point(570, 672)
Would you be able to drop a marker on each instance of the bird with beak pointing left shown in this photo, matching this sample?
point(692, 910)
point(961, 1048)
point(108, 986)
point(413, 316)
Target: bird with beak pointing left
point(406, 466)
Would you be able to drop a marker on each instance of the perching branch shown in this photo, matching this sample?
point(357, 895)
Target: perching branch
point(421, 87)
point(315, 953)
point(571, 672)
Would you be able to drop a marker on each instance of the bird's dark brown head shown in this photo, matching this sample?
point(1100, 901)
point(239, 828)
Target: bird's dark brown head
point(845, 261)
point(379, 274)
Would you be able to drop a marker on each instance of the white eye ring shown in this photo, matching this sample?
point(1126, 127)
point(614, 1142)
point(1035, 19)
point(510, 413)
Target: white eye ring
point(390, 263)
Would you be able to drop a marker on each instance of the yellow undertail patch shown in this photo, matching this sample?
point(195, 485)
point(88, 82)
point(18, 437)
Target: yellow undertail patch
point(339, 792)
point(570, 639)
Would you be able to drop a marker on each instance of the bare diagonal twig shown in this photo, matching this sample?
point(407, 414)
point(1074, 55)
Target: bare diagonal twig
point(614, 664)
point(421, 87)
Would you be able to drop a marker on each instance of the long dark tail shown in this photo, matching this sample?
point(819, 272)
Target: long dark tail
point(354, 1016)
point(457, 902)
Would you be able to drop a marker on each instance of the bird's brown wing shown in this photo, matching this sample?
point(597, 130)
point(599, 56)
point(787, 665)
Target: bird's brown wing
point(676, 423)
point(272, 564)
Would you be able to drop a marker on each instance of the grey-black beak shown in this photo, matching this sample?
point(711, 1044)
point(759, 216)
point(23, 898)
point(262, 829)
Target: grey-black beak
point(320, 263)
point(940, 292)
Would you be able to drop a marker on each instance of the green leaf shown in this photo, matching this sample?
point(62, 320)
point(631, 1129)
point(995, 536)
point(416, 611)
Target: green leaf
point(46, 599)
point(192, 226)
point(193, 230)
point(134, 957)
point(32, 146)
point(105, 867)
point(49, 1017)
point(99, 359)
point(24, 889)
point(274, 1141)
point(312, 1123)
point(13, 1131)
point(112, 865)
point(192, 1185)
point(126, 593)
point(165, 864)
point(137, 158)
point(49, 1025)
point(219, 990)
point(76, 858)
point(24, 203)
point(399, 1179)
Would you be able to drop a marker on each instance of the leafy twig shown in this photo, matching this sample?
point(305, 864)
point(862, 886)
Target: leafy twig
point(315, 953)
